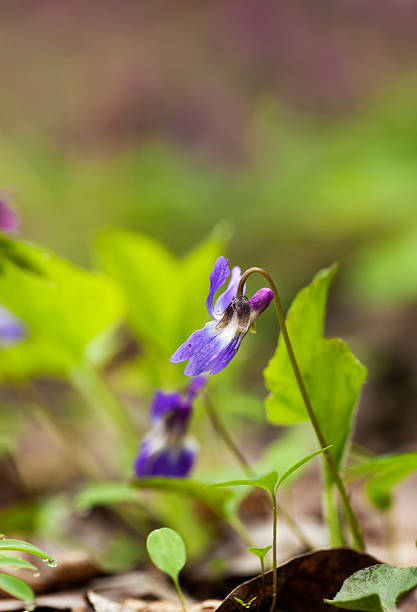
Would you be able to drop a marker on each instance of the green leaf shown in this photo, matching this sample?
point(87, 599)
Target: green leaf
point(64, 309)
point(16, 562)
point(105, 493)
point(259, 552)
point(240, 601)
point(297, 465)
point(166, 549)
point(219, 501)
point(375, 589)
point(247, 604)
point(332, 374)
point(27, 547)
point(267, 482)
point(16, 587)
point(165, 294)
point(384, 473)
point(10, 251)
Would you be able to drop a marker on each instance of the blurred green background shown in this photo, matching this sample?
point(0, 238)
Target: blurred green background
point(289, 129)
point(291, 126)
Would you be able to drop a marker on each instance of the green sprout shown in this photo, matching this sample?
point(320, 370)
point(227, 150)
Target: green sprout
point(270, 482)
point(246, 605)
point(261, 554)
point(166, 549)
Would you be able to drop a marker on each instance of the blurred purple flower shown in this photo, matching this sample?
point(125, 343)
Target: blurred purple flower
point(8, 218)
point(214, 346)
point(166, 450)
point(11, 329)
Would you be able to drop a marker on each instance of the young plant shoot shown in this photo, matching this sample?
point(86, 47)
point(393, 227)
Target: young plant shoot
point(244, 604)
point(167, 551)
point(271, 482)
point(261, 554)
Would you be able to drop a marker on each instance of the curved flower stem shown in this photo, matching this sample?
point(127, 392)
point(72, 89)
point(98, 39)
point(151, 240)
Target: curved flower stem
point(350, 515)
point(228, 440)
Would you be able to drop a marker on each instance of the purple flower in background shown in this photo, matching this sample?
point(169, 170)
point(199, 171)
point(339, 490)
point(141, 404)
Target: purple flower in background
point(166, 450)
point(11, 329)
point(8, 218)
point(214, 346)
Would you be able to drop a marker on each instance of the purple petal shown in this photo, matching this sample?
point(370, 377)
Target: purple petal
point(168, 461)
point(163, 403)
point(227, 296)
point(225, 357)
point(209, 353)
point(195, 342)
point(261, 300)
point(194, 387)
point(217, 278)
point(11, 329)
point(8, 218)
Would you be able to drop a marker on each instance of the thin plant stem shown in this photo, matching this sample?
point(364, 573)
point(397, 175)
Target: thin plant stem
point(274, 555)
point(240, 528)
point(223, 433)
point(337, 536)
point(262, 574)
point(350, 515)
point(229, 442)
point(44, 415)
point(94, 388)
point(82, 461)
point(180, 595)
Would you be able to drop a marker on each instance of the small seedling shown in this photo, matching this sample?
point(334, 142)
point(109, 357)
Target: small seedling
point(246, 605)
point(261, 554)
point(271, 482)
point(166, 549)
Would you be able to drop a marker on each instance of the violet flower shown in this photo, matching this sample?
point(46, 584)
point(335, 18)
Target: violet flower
point(11, 329)
point(166, 450)
point(8, 218)
point(214, 346)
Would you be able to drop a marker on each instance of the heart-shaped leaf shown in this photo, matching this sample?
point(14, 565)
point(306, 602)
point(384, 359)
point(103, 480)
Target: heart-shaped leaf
point(375, 589)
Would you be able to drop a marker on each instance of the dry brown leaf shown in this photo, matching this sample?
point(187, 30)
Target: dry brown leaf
point(303, 582)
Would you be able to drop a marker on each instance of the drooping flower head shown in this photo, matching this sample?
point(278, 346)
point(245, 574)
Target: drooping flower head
point(8, 218)
point(211, 348)
point(166, 450)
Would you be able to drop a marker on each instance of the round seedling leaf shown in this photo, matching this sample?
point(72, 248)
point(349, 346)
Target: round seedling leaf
point(167, 550)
